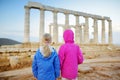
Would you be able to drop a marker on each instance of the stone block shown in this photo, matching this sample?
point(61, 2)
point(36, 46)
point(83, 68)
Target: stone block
point(85, 69)
point(13, 61)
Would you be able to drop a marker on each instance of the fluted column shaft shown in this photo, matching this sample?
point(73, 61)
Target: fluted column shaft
point(66, 21)
point(27, 25)
point(86, 31)
point(41, 32)
point(55, 27)
point(95, 31)
point(49, 29)
point(81, 32)
point(110, 32)
point(103, 31)
point(77, 30)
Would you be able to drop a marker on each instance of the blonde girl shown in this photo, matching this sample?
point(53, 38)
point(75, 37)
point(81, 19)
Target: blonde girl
point(46, 65)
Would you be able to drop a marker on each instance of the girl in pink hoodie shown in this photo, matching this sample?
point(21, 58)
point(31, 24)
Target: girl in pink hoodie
point(70, 56)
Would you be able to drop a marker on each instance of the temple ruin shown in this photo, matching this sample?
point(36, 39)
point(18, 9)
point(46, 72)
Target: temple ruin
point(81, 34)
point(101, 59)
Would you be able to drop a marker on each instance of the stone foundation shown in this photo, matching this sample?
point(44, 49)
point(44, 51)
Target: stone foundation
point(20, 56)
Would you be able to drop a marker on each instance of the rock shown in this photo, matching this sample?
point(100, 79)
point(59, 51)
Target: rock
point(13, 61)
point(32, 56)
point(85, 69)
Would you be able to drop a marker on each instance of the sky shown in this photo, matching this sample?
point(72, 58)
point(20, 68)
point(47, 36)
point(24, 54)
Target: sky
point(12, 16)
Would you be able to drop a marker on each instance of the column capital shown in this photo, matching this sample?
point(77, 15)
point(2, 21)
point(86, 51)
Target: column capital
point(55, 11)
point(76, 15)
point(42, 8)
point(103, 18)
point(26, 7)
point(109, 20)
point(66, 12)
point(85, 16)
point(95, 18)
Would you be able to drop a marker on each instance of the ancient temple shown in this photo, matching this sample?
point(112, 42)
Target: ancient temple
point(81, 30)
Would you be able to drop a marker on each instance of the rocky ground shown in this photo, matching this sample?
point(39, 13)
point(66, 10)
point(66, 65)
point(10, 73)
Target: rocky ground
point(99, 64)
point(100, 71)
point(92, 69)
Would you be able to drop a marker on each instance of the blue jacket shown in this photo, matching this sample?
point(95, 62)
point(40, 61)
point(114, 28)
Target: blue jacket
point(46, 68)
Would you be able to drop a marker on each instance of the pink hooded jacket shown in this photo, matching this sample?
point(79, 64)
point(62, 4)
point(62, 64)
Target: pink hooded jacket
point(70, 56)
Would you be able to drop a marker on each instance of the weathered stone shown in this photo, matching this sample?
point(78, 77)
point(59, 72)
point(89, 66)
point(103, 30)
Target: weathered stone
point(79, 38)
point(85, 69)
point(13, 61)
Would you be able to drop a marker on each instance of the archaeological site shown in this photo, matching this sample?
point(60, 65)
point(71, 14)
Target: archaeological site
point(102, 57)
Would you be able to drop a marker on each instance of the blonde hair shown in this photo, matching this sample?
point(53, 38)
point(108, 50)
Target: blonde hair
point(46, 41)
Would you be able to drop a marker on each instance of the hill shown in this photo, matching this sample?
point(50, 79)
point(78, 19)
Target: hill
point(6, 41)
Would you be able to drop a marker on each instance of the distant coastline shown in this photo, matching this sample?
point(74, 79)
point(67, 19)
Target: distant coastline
point(6, 41)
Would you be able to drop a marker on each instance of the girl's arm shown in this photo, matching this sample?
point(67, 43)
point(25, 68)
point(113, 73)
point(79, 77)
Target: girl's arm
point(57, 66)
point(34, 67)
point(80, 56)
point(61, 55)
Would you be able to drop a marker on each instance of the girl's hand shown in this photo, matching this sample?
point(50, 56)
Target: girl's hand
point(58, 78)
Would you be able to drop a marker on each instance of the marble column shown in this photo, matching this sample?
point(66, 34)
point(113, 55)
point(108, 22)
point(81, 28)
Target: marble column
point(64, 28)
point(55, 27)
point(103, 31)
point(66, 20)
point(77, 30)
point(110, 32)
point(41, 32)
point(27, 25)
point(86, 30)
point(81, 32)
point(95, 31)
point(49, 29)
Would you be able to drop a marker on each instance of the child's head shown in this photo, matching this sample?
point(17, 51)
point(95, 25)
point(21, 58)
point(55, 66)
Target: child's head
point(68, 36)
point(46, 40)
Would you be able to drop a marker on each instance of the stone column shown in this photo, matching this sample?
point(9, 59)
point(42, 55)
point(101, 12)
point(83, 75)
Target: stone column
point(49, 29)
point(95, 31)
point(77, 30)
point(110, 32)
point(27, 25)
point(86, 30)
point(55, 27)
point(64, 28)
point(41, 32)
point(103, 31)
point(66, 20)
point(81, 34)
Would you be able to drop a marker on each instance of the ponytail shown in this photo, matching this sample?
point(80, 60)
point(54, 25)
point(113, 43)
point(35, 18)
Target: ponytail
point(46, 50)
